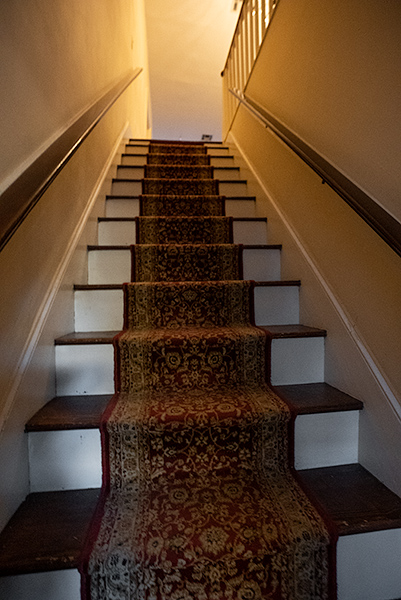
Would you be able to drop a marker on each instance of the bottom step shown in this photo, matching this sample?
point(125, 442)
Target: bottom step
point(48, 530)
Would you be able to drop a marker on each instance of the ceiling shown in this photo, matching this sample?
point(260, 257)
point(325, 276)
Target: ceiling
point(188, 42)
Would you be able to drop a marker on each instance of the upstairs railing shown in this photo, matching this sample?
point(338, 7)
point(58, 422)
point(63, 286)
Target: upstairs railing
point(253, 21)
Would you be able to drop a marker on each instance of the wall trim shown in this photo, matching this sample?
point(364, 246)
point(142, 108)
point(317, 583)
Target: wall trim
point(44, 310)
point(367, 356)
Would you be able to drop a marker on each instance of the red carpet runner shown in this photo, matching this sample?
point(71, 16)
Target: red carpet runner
point(199, 501)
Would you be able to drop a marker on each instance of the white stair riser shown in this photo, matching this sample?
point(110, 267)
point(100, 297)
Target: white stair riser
point(88, 368)
point(72, 459)
point(326, 439)
point(215, 151)
point(126, 188)
point(133, 160)
point(114, 266)
point(50, 585)
point(240, 208)
point(126, 207)
point(297, 360)
point(250, 232)
point(233, 188)
point(102, 310)
point(98, 310)
point(122, 207)
point(222, 161)
point(134, 188)
point(109, 266)
point(137, 149)
point(262, 264)
point(138, 172)
point(276, 305)
point(64, 460)
point(138, 160)
point(143, 147)
point(84, 369)
point(368, 565)
point(117, 233)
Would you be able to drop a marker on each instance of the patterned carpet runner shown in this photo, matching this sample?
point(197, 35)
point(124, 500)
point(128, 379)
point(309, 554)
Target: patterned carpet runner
point(198, 499)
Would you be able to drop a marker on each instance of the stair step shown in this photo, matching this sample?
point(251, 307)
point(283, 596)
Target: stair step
point(368, 518)
point(122, 230)
point(100, 307)
point(312, 398)
point(86, 337)
point(84, 411)
point(139, 159)
point(112, 264)
point(65, 450)
point(297, 354)
point(135, 172)
point(127, 205)
point(84, 363)
point(133, 187)
point(69, 412)
point(47, 532)
point(64, 443)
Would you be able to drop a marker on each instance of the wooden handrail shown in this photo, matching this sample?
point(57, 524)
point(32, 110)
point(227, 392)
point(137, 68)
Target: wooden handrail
point(18, 200)
point(388, 228)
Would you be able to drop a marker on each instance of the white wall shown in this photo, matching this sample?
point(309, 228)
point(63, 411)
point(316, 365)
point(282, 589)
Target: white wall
point(188, 46)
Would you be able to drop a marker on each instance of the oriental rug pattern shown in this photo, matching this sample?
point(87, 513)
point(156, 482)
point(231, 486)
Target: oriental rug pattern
point(199, 501)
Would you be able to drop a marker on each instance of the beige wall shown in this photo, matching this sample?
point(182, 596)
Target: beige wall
point(351, 278)
point(186, 58)
point(55, 62)
point(330, 71)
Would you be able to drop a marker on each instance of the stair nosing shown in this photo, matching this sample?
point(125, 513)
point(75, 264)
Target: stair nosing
point(86, 337)
point(53, 416)
point(79, 287)
point(273, 331)
point(349, 523)
point(316, 398)
point(131, 219)
point(93, 247)
point(119, 286)
point(75, 508)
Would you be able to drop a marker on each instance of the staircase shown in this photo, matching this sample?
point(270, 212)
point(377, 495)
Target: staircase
point(41, 546)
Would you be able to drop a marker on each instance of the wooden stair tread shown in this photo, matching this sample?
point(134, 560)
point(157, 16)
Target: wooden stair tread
point(47, 532)
point(69, 412)
point(108, 247)
point(353, 498)
point(119, 286)
point(86, 337)
point(133, 197)
point(85, 411)
point(311, 398)
point(292, 331)
point(279, 283)
point(245, 246)
point(98, 286)
point(133, 219)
